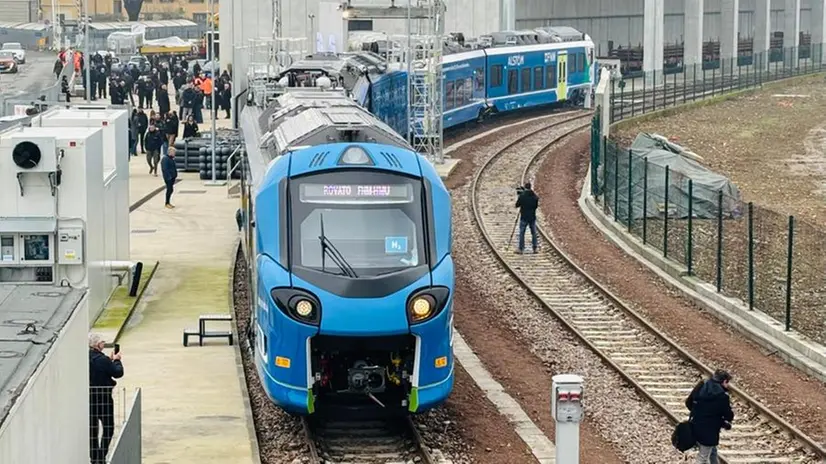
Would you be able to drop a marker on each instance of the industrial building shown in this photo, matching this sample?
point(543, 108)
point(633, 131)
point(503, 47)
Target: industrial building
point(20, 11)
point(64, 238)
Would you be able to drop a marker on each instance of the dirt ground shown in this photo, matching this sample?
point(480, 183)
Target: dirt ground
point(771, 143)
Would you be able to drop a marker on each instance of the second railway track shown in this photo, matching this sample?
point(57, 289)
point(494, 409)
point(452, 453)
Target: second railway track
point(655, 366)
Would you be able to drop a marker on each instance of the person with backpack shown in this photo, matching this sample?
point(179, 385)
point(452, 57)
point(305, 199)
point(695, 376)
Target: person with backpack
point(711, 411)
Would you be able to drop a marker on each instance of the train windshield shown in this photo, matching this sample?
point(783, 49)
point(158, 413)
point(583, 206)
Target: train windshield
point(368, 222)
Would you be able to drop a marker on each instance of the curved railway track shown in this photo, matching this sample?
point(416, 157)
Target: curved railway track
point(654, 365)
point(385, 441)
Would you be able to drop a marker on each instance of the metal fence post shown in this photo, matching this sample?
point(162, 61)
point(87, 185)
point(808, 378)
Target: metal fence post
point(694, 84)
point(789, 275)
point(604, 174)
point(719, 240)
point(690, 245)
point(665, 218)
point(630, 185)
point(751, 256)
point(616, 184)
point(645, 202)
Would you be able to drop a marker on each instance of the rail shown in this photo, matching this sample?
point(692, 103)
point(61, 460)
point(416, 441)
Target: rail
point(622, 338)
point(239, 164)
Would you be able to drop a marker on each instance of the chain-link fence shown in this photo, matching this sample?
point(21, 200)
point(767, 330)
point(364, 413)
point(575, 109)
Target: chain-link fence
point(114, 425)
point(767, 259)
point(688, 83)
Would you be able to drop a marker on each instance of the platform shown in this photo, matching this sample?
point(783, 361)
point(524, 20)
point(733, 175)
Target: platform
point(193, 397)
point(445, 169)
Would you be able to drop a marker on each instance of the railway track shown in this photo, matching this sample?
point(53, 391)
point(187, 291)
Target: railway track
point(386, 441)
point(654, 365)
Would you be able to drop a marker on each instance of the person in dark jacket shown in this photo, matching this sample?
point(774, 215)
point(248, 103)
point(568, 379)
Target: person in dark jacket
point(103, 370)
point(171, 127)
point(133, 134)
point(170, 172)
point(226, 99)
point(527, 202)
point(163, 100)
point(154, 143)
point(142, 125)
point(58, 68)
point(102, 73)
point(191, 128)
point(710, 408)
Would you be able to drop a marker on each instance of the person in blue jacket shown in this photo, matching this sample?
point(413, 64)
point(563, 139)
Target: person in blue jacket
point(170, 172)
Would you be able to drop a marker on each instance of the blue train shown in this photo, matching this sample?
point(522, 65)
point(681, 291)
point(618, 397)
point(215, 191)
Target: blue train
point(347, 235)
point(482, 82)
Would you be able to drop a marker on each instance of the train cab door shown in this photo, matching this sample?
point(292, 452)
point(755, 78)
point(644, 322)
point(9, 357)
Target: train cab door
point(562, 76)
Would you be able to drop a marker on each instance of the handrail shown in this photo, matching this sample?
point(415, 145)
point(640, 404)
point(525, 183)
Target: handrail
point(233, 168)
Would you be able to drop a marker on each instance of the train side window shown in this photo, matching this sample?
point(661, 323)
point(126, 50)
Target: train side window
point(450, 95)
point(513, 81)
point(496, 75)
point(526, 80)
point(468, 94)
point(479, 75)
point(460, 93)
point(581, 63)
point(550, 76)
point(537, 78)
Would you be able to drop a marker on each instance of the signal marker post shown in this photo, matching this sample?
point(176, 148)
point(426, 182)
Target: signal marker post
point(566, 407)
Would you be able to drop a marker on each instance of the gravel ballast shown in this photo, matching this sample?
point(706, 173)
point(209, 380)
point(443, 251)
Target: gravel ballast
point(760, 374)
point(523, 346)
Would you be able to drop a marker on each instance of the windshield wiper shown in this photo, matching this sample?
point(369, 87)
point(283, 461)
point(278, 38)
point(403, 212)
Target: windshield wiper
point(328, 247)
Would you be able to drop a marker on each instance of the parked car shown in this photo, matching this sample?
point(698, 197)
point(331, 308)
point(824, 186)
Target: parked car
point(8, 63)
point(140, 61)
point(17, 49)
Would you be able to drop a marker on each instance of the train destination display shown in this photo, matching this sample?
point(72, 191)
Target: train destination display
point(354, 193)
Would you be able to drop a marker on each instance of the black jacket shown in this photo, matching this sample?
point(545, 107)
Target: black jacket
point(527, 204)
point(171, 126)
point(191, 130)
point(154, 140)
point(143, 122)
point(710, 408)
point(169, 169)
point(102, 370)
point(163, 101)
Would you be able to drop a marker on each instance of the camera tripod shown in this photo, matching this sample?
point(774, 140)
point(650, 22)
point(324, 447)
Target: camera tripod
point(513, 231)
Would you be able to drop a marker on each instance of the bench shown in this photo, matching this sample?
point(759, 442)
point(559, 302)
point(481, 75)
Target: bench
point(201, 332)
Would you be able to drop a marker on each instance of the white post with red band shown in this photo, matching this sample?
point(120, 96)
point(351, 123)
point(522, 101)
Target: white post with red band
point(566, 407)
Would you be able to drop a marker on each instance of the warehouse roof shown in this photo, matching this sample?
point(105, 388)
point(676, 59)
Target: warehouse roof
point(24, 26)
point(31, 317)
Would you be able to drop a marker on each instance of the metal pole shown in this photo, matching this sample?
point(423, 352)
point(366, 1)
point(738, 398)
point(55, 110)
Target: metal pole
point(409, 59)
point(616, 184)
point(665, 218)
point(86, 52)
point(645, 202)
point(688, 253)
point(719, 240)
point(751, 256)
point(789, 275)
point(630, 185)
point(211, 58)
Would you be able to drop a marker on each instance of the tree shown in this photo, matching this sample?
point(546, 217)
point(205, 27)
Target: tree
point(133, 8)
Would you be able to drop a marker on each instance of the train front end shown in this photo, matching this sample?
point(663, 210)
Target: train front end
point(354, 280)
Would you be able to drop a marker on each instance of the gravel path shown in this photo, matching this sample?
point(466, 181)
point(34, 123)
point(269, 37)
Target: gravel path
point(760, 374)
point(467, 430)
point(523, 346)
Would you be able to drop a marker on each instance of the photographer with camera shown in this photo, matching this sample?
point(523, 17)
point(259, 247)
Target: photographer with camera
point(527, 202)
point(710, 408)
point(103, 370)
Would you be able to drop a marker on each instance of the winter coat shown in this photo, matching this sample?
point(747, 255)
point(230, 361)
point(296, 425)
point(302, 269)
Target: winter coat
point(710, 408)
point(154, 140)
point(191, 130)
point(527, 204)
point(171, 126)
point(102, 370)
point(163, 101)
point(168, 169)
point(143, 122)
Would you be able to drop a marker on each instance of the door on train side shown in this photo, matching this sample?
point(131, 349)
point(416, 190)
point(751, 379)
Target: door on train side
point(562, 76)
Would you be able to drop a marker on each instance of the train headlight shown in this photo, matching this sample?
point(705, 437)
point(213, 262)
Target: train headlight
point(421, 308)
point(355, 155)
point(426, 303)
point(304, 308)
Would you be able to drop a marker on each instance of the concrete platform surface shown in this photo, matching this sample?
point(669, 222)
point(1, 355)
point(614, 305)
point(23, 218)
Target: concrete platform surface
point(193, 398)
point(445, 169)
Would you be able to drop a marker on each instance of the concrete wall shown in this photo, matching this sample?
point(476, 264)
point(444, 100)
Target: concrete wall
point(621, 20)
point(49, 422)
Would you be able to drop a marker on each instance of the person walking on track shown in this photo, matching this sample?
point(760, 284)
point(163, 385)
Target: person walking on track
point(711, 411)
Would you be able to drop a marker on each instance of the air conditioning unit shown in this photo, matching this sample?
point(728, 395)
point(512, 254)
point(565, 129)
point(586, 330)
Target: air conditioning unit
point(33, 154)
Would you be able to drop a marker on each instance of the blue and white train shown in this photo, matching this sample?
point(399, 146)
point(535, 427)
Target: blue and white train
point(347, 234)
point(486, 81)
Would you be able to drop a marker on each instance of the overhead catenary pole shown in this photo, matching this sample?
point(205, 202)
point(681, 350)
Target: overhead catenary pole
point(211, 60)
point(86, 51)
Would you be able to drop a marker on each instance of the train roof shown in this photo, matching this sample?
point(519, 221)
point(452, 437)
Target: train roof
point(306, 117)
